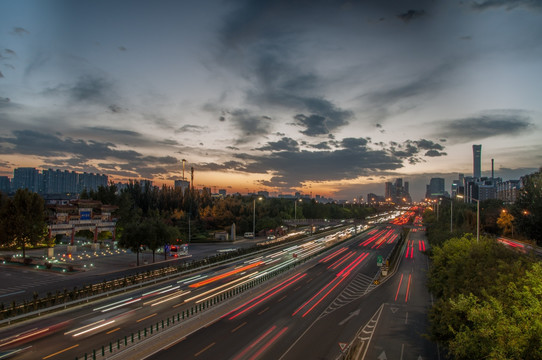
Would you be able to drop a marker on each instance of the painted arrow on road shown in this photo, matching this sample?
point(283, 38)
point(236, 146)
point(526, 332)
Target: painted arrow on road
point(352, 314)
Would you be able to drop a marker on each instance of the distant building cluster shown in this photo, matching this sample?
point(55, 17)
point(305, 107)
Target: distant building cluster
point(398, 193)
point(50, 181)
point(477, 187)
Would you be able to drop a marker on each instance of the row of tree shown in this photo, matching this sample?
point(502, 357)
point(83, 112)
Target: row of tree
point(489, 300)
point(200, 214)
point(521, 220)
point(22, 220)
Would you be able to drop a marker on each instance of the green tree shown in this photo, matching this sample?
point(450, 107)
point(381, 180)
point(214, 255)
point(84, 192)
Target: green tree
point(505, 223)
point(23, 220)
point(527, 209)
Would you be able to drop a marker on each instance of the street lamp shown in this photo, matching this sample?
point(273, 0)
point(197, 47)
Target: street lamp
point(254, 218)
point(477, 219)
point(452, 210)
point(295, 207)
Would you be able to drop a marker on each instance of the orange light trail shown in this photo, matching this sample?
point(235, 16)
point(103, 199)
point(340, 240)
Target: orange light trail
point(222, 276)
point(398, 287)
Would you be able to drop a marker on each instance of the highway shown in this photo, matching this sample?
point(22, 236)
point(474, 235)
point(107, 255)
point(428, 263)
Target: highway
point(266, 325)
point(85, 329)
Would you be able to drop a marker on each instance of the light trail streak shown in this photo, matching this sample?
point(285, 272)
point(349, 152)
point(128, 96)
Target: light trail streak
point(408, 288)
point(332, 255)
point(269, 343)
point(222, 276)
point(220, 287)
point(337, 263)
point(398, 287)
point(94, 328)
point(260, 338)
point(266, 295)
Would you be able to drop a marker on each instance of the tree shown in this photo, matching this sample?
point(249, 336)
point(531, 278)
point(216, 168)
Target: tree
point(134, 236)
point(23, 220)
point(527, 209)
point(505, 222)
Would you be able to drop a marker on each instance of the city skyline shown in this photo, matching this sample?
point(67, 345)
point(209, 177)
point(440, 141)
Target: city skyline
point(317, 97)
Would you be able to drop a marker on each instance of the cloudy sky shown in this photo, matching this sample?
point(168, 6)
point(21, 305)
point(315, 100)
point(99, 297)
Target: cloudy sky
point(323, 97)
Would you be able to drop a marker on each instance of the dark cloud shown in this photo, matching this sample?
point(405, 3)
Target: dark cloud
point(191, 129)
point(19, 31)
point(88, 89)
point(114, 132)
point(4, 101)
point(353, 143)
point(394, 99)
point(122, 48)
point(488, 124)
point(435, 153)
point(411, 15)
point(28, 142)
point(248, 125)
point(10, 52)
point(284, 144)
point(320, 146)
point(507, 4)
point(115, 108)
point(1, 75)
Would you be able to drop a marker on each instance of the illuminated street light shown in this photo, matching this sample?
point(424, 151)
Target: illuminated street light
point(295, 207)
point(254, 218)
point(452, 210)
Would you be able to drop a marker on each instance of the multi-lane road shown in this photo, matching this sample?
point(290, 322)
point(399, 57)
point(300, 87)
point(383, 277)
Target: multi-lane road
point(313, 310)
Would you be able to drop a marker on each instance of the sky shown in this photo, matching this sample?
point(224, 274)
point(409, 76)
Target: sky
point(316, 96)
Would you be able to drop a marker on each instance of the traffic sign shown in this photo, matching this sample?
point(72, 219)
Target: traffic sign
point(379, 260)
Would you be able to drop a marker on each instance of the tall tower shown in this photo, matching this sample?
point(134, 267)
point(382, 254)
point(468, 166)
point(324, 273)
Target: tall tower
point(477, 161)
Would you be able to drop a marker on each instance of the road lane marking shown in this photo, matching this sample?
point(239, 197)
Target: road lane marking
point(282, 298)
point(147, 317)
point(112, 331)
point(264, 310)
point(240, 326)
point(204, 349)
point(13, 293)
point(60, 352)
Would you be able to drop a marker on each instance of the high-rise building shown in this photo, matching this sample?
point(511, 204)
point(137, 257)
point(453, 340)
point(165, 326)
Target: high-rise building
point(397, 192)
point(182, 184)
point(435, 188)
point(5, 185)
point(477, 161)
point(26, 178)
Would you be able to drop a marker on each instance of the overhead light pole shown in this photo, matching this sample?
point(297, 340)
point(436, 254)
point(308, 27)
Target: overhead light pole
point(295, 207)
point(452, 211)
point(254, 218)
point(477, 219)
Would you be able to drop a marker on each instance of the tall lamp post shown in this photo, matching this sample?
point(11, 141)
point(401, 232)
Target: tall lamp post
point(477, 219)
point(452, 211)
point(254, 218)
point(295, 207)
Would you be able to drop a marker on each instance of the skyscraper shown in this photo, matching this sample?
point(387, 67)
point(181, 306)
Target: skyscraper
point(477, 161)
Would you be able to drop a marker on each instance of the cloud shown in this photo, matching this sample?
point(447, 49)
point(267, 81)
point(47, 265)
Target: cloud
point(248, 125)
point(411, 15)
point(507, 4)
point(88, 89)
point(381, 104)
point(114, 132)
point(10, 52)
point(191, 129)
point(19, 31)
point(122, 48)
point(485, 125)
point(1, 75)
point(28, 142)
point(284, 144)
